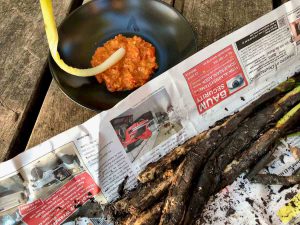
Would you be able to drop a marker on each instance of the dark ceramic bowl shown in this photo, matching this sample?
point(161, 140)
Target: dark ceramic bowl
point(96, 22)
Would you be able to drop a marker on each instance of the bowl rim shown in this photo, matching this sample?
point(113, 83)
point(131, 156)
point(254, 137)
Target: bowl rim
point(50, 60)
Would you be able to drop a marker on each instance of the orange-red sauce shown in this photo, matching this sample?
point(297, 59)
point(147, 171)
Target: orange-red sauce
point(133, 70)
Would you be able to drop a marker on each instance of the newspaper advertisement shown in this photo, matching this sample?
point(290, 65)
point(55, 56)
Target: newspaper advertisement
point(77, 172)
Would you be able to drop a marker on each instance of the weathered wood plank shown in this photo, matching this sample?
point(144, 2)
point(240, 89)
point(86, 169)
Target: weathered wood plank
point(179, 4)
point(57, 114)
point(23, 53)
point(170, 2)
point(214, 19)
point(283, 1)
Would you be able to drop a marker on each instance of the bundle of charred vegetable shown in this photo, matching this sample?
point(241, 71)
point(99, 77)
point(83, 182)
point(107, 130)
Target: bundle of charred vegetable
point(239, 142)
point(242, 161)
point(209, 161)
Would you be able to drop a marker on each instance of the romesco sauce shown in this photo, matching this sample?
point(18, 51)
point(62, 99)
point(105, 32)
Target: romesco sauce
point(133, 70)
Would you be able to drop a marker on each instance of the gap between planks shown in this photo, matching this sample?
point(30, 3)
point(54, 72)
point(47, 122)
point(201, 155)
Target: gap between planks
point(24, 132)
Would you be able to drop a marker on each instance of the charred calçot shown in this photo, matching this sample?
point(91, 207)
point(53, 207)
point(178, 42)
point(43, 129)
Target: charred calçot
point(142, 198)
point(211, 160)
point(260, 146)
point(148, 217)
point(269, 179)
point(248, 131)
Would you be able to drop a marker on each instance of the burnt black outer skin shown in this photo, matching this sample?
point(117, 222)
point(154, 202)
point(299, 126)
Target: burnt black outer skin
point(155, 215)
point(139, 203)
point(273, 179)
point(148, 217)
point(135, 202)
point(267, 158)
point(172, 213)
point(258, 149)
point(205, 147)
point(248, 131)
point(195, 159)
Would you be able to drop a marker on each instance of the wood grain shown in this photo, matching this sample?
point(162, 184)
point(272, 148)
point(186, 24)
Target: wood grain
point(57, 114)
point(283, 1)
point(212, 19)
point(23, 53)
point(179, 4)
point(170, 2)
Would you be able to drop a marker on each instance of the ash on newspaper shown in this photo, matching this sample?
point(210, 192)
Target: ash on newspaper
point(148, 124)
point(244, 202)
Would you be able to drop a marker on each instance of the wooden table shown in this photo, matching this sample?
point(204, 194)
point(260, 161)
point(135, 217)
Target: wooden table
point(32, 108)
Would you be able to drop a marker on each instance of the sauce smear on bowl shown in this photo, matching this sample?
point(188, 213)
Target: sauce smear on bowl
point(133, 70)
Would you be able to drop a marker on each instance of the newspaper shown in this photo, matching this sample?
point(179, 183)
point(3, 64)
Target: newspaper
point(76, 172)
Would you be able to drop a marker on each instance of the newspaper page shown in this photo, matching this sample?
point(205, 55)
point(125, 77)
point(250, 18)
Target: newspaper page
point(70, 174)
